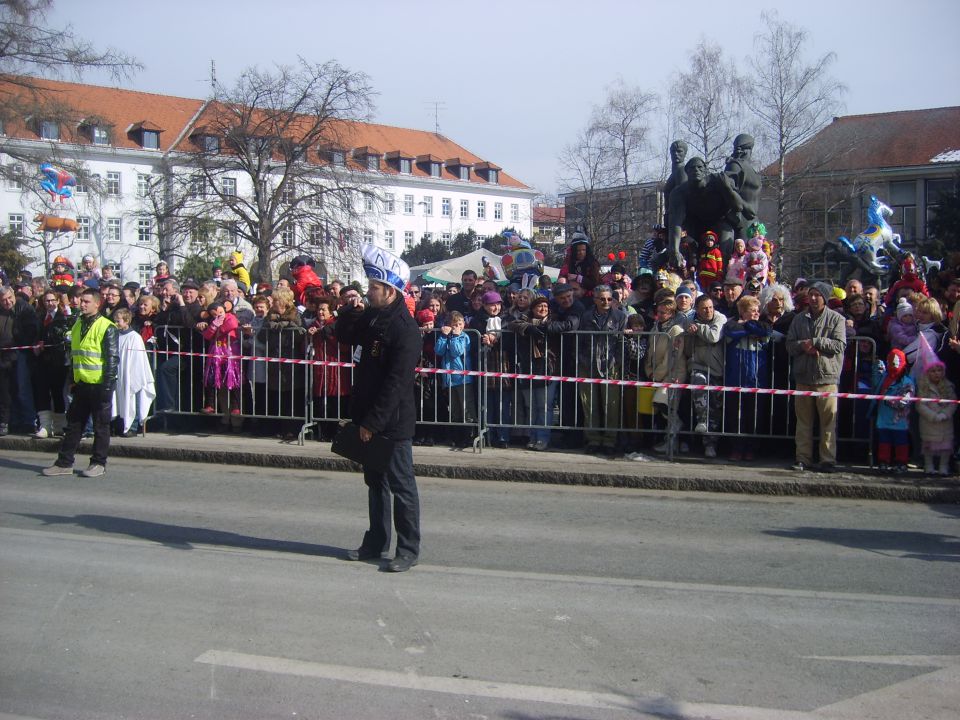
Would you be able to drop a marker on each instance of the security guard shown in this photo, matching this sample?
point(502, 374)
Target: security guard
point(95, 353)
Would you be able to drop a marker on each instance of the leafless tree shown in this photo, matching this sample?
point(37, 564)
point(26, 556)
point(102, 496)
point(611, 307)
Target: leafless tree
point(163, 197)
point(30, 49)
point(707, 105)
point(791, 98)
point(588, 168)
point(286, 135)
point(623, 123)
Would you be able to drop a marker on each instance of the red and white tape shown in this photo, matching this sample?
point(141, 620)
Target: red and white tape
point(564, 378)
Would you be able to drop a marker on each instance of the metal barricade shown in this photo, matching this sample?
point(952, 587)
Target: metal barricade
point(448, 403)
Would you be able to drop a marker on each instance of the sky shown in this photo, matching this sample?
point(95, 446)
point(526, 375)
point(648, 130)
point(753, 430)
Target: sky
point(516, 80)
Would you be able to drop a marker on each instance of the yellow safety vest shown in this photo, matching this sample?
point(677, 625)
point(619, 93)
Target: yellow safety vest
point(87, 351)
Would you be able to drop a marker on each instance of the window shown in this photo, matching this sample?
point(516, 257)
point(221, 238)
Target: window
point(49, 130)
point(151, 140)
point(143, 185)
point(288, 235)
point(114, 230)
point(15, 223)
point(315, 236)
point(232, 231)
point(228, 186)
point(15, 179)
point(498, 211)
point(113, 183)
point(289, 194)
point(428, 205)
point(435, 169)
point(373, 162)
point(446, 239)
point(82, 186)
point(408, 204)
point(408, 238)
point(368, 237)
point(493, 176)
point(445, 207)
point(406, 166)
point(83, 228)
point(428, 237)
point(338, 157)
point(464, 208)
point(144, 231)
point(389, 205)
point(903, 202)
point(210, 143)
point(464, 172)
point(144, 274)
point(935, 188)
point(100, 135)
point(481, 209)
point(388, 239)
point(369, 203)
point(514, 212)
point(198, 186)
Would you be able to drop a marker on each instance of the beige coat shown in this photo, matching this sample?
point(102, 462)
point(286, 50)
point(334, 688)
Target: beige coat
point(933, 430)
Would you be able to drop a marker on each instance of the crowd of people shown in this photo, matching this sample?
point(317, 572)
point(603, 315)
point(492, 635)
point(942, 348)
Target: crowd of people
point(720, 328)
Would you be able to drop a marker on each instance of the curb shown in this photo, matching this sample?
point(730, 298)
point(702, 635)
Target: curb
point(841, 485)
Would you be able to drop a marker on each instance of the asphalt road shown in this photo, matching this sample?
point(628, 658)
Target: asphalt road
point(168, 590)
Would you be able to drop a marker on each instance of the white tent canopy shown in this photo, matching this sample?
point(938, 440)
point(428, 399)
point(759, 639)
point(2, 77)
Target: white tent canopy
point(451, 270)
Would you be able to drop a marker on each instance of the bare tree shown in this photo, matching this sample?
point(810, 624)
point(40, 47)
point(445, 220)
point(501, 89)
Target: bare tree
point(163, 197)
point(793, 100)
point(286, 135)
point(706, 103)
point(623, 122)
point(588, 167)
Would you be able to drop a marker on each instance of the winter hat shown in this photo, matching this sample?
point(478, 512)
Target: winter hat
point(539, 300)
point(825, 290)
point(426, 316)
point(61, 260)
point(904, 308)
point(683, 290)
point(579, 236)
point(237, 257)
point(385, 267)
point(490, 297)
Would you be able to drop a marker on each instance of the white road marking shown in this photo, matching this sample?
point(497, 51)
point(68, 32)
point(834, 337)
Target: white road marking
point(663, 585)
point(660, 706)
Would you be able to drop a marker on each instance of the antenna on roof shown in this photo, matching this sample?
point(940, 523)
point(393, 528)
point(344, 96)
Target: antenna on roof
point(437, 104)
point(213, 76)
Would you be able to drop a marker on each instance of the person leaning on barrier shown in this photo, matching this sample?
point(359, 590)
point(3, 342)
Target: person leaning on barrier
point(705, 362)
point(18, 327)
point(816, 342)
point(383, 404)
point(666, 363)
point(95, 350)
point(564, 318)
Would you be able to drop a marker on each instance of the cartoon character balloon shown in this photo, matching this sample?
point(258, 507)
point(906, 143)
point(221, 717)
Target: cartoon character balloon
point(59, 183)
point(522, 264)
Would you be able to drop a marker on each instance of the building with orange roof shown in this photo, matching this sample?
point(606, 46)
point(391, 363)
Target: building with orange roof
point(421, 184)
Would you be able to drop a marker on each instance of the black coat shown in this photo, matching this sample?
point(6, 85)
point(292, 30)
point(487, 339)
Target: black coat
point(384, 392)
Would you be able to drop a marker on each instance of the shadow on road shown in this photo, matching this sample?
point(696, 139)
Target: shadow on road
point(913, 545)
point(181, 537)
point(17, 465)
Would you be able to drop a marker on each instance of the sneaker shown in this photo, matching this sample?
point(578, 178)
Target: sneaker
point(661, 447)
point(56, 470)
point(700, 427)
point(235, 411)
point(42, 434)
point(208, 410)
point(4, 429)
point(540, 445)
point(799, 466)
point(709, 451)
point(401, 563)
point(94, 470)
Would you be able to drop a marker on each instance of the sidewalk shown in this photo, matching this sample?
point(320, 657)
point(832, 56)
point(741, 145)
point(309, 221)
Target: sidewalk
point(518, 465)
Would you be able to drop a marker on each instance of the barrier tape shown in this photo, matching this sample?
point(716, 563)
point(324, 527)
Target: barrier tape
point(578, 380)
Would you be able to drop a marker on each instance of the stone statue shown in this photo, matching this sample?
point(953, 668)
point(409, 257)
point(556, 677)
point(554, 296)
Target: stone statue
point(699, 204)
point(678, 175)
point(743, 188)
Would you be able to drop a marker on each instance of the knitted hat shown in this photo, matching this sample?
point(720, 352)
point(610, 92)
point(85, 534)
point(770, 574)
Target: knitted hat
point(385, 267)
point(904, 308)
point(426, 316)
point(824, 289)
point(683, 290)
point(490, 297)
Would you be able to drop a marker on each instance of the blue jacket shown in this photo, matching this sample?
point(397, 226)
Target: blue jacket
point(746, 354)
point(453, 353)
point(893, 414)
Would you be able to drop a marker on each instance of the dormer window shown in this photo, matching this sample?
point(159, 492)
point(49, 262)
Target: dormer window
point(406, 166)
point(368, 157)
point(49, 130)
point(489, 171)
point(400, 161)
point(99, 135)
point(459, 168)
point(338, 157)
point(430, 164)
point(146, 133)
point(464, 172)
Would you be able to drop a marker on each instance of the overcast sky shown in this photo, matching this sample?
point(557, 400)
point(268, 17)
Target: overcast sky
point(517, 79)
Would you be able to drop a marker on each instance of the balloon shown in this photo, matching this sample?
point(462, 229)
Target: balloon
point(59, 183)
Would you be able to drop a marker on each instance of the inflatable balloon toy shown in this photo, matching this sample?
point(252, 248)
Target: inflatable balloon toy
point(522, 264)
point(59, 183)
point(490, 271)
point(54, 224)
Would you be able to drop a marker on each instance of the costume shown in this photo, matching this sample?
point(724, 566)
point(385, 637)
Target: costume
point(893, 415)
point(383, 404)
point(301, 268)
point(135, 390)
point(756, 260)
point(239, 269)
point(710, 268)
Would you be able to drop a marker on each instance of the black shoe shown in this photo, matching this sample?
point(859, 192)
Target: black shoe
point(826, 467)
point(362, 553)
point(501, 444)
point(401, 563)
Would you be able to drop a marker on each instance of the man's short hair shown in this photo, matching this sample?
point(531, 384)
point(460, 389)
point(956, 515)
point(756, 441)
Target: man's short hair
point(471, 273)
point(91, 291)
point(602, 289)
point(173, 282)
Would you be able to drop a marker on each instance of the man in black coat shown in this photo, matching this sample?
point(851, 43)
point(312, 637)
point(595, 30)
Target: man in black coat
point(383, 403)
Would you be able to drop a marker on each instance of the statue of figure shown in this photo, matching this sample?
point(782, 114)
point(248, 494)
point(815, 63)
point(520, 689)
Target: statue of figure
point(699, 204)
point(743, 188)
point(678, 175)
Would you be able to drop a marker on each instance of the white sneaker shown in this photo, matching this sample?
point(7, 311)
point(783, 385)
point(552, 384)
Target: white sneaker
point(709, 451)
point(93, 471)
point(42, 433)
point(701, 427)
point(56, 470)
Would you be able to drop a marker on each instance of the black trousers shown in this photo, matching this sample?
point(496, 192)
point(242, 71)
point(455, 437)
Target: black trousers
point(399, 481)
point(88, 401)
